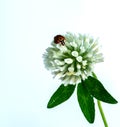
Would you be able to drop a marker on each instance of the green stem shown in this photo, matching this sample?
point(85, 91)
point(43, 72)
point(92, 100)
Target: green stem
point(100, 107)
point(102, 113)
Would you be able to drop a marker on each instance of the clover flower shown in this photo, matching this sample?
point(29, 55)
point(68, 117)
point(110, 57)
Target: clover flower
point(72, 58)
point(74, 61)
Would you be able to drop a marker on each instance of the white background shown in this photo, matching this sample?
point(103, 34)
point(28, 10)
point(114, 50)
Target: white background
point(27, 28)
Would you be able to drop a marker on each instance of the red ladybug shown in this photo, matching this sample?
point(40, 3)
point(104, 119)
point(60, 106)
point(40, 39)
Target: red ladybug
point(59, 39)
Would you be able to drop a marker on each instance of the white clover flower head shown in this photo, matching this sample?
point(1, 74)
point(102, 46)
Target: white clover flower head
point(74, 61)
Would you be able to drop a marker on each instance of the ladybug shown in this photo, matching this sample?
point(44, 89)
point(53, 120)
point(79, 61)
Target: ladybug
point(59, 39)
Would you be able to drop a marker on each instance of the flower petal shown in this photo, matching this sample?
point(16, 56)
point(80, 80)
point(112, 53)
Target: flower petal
point(68, 60)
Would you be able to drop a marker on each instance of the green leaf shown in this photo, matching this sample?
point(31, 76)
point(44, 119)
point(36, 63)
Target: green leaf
point(97, 90)
point(86, 102)
point(62, 94)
